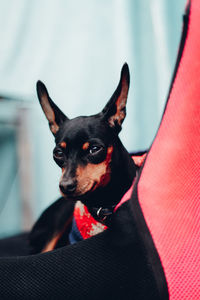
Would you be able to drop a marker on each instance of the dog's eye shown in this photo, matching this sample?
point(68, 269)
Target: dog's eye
point(95, 149)
point(57, 153)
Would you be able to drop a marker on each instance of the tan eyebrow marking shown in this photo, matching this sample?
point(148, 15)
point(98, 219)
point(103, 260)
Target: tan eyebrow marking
point(63, 145)
point(85, 146)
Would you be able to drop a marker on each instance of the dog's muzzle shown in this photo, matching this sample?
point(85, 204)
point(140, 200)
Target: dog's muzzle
point(68, 187)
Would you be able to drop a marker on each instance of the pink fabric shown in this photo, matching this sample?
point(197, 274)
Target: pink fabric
point(169, 186)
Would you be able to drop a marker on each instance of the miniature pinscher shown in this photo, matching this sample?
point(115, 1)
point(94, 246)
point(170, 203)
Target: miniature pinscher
point(96, 167)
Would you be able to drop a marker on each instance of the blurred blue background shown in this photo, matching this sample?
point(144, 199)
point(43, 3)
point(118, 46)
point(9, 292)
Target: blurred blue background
point(77, 48)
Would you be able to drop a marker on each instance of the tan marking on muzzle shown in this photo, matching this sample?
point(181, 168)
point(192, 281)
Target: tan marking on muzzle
point(92, 176)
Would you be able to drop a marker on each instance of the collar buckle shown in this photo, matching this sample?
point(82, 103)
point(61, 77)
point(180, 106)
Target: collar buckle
point(104, 214)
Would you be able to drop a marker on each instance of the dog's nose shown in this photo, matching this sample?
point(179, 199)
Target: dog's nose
point(68, 186)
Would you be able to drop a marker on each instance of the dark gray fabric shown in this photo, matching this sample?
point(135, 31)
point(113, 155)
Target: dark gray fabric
point(111, 265)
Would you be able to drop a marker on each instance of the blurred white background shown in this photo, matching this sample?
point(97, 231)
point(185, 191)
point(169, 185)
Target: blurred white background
point(77, 48)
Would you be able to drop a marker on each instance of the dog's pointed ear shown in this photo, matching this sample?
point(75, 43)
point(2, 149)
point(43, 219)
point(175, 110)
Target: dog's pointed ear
point(115, 110)
point(53, 114)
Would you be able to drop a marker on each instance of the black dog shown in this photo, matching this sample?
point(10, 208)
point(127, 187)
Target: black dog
point(96, 168)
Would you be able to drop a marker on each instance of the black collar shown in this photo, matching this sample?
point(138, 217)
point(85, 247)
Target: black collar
point(102, 214)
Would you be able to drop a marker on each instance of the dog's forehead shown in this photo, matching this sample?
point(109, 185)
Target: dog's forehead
point(81, 129)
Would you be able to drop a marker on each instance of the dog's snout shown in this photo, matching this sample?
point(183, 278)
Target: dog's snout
point(68, 186)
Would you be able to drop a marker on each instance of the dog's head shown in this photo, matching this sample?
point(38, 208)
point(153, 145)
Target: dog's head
point(85, 145)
